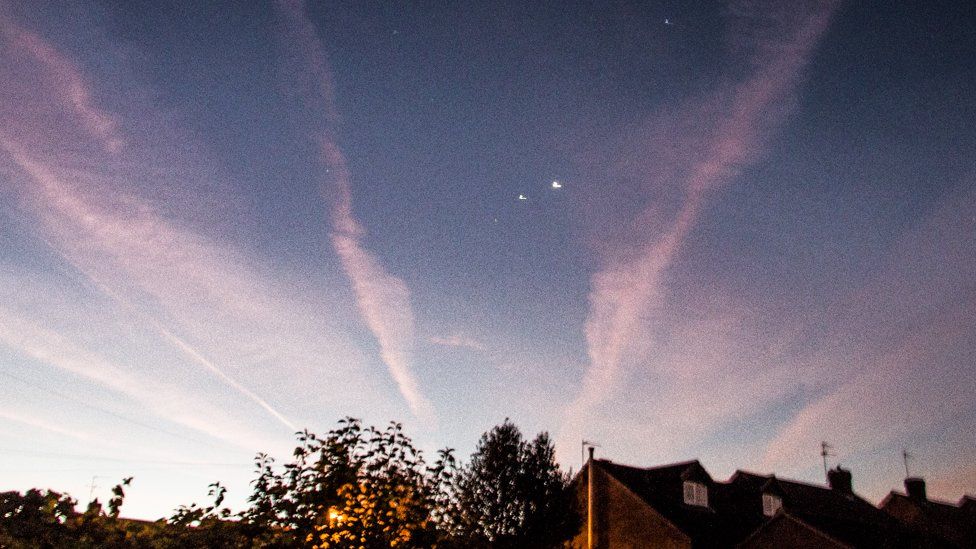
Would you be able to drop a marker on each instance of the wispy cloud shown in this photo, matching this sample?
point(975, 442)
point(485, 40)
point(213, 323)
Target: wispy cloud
point(27, 338)
point(903, 338)
point(458, 340)
point(222, 310)
point(73, 90)
point(38, 423)
point(383, 299)
point(130, 242)
point(711, 142)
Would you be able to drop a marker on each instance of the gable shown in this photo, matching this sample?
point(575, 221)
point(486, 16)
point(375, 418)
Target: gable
point(787, 531)
point(623, 519)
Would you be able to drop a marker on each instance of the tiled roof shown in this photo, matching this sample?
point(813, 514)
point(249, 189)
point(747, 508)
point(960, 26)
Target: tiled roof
point(735, 507)
point(662, 489)
point(955, 523)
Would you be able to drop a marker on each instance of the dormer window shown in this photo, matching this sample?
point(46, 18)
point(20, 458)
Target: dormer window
point(696, 494)
point(771, 504)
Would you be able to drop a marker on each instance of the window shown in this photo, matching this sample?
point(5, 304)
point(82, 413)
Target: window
point(696, 494)
point(771, 504)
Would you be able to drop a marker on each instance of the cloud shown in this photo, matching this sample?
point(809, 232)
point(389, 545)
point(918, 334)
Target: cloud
point(458, 340)
point(71, 86)
point(903, 344)
point(130, 243)
point(954, 483)
point(38, 423)
point(627, 293)
point(382, 298)
point(164, 399)
point(223, 310)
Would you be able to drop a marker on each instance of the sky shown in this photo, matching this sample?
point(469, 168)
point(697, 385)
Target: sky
point(721, 230)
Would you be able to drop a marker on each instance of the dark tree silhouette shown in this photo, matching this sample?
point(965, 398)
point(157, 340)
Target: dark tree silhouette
point(511, 494)
point(354, 487)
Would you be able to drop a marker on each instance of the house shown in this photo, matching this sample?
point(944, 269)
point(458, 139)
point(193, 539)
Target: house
point(953, 524)
point(681, 506)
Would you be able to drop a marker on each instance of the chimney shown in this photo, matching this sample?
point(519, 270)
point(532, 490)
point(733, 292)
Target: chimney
point(915, 487)
point(968, 504)
point(840, 480)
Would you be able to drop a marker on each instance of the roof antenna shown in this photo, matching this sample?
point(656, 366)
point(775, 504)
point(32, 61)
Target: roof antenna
point(92, 487)
point(824, 452)
point(905, 456)
point(586, 444)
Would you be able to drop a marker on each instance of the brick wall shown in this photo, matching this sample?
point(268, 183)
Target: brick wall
point(623, 520)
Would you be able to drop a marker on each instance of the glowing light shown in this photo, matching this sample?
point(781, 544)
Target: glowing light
point(557, 185)
point(522, 197)
point(335, 516)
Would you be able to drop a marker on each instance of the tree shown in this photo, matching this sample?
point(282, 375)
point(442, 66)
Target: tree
point(511, 494)
point(288, 507)
point(204, 527)
point(49, 519)
point(354, 487)
point(35, 518)
point(391, 500)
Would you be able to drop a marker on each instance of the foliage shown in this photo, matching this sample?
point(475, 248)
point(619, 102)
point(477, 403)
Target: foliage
point(287, 508)
point(354, 487)
point(48, 519)
point(390, 501)
point(210, 526)
point(512, 494)
point(35, 518)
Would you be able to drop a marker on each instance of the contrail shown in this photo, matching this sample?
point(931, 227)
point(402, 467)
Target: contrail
point(77, 209)
point(202, 360)
point(382, 298)
point(631, 286)
point(196, 355)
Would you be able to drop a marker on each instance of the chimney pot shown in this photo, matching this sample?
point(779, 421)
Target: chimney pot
point(840, 479)
point(915, 487)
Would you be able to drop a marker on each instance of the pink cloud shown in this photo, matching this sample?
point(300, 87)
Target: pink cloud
point(72, 88)
point(708, 145)
point(903, 376)
point(458, 340)
point(951, 484)
point(167, 401)
point(142, 246)
point(382, 298)
point(202, 297)
point(38, 423)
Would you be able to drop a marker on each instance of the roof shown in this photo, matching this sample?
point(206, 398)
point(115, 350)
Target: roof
point(956, 523)
point(662, 489)
point(735, 507)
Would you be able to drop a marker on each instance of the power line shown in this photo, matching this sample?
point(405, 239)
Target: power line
point(115, 468)
point(103, 410)
point(123, 460)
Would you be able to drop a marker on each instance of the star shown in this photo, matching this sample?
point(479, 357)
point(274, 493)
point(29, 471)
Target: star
point(522, 197)
point(557, 185)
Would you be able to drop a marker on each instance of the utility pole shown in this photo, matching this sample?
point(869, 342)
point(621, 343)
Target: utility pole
point(589, 501)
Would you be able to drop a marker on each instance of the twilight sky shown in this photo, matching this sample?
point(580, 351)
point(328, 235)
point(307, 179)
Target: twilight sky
point(220, 224)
